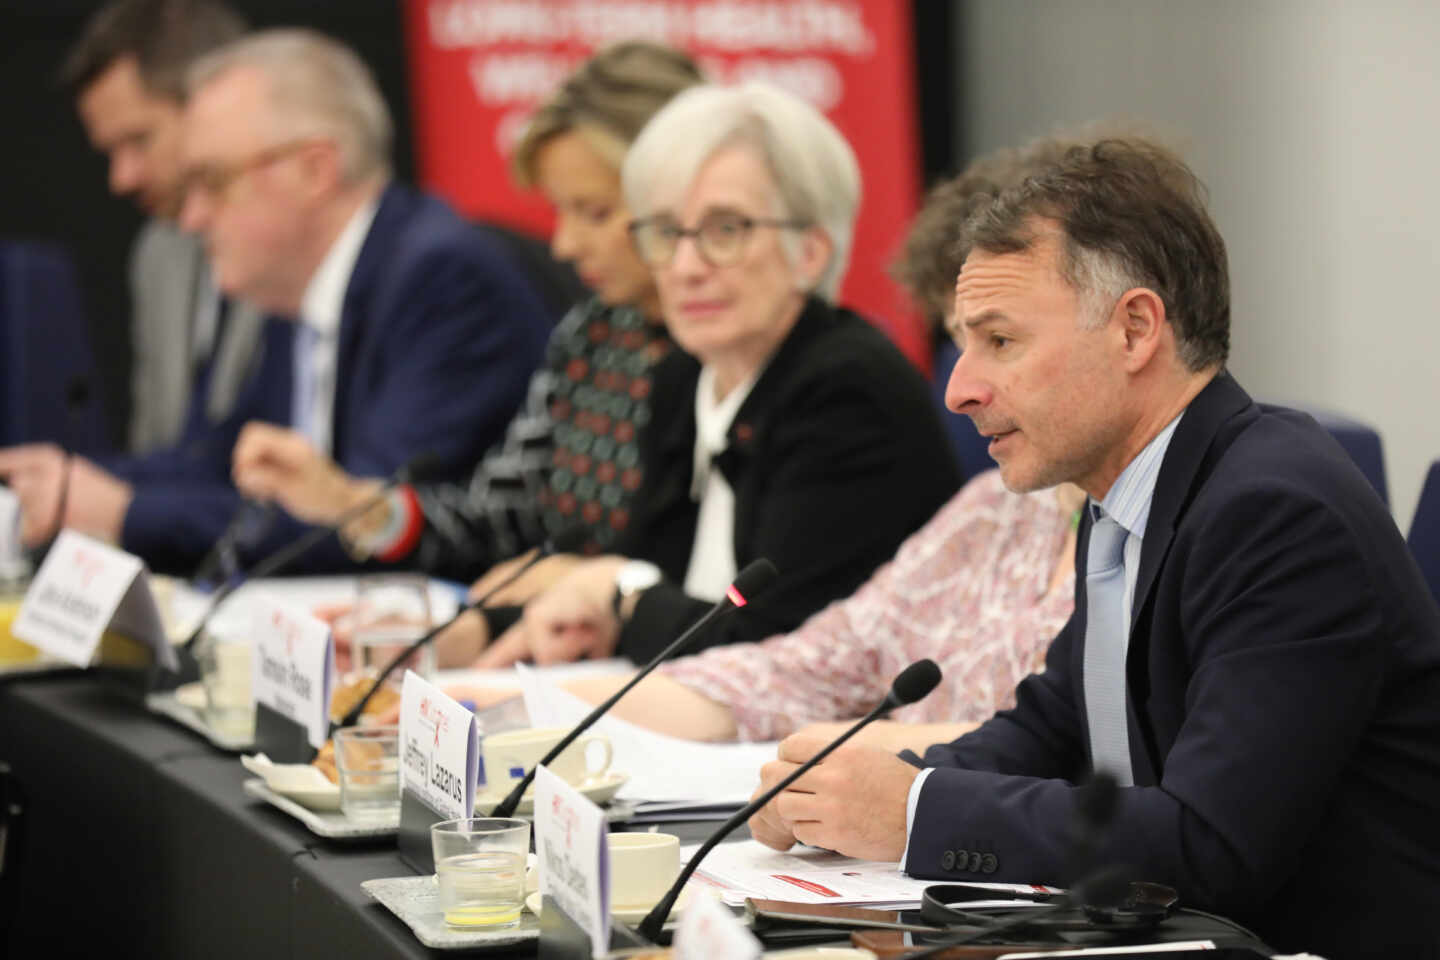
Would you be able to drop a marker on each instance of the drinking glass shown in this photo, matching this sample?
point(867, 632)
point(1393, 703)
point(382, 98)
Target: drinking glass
point(223, 656)
point(368, 762)
point(391, 612)
point(480, 866)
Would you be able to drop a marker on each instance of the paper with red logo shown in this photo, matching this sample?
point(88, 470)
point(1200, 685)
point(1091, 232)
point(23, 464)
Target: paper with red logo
point(438, 749)
point(292, 666)
point(82, 587)
point(574, 857)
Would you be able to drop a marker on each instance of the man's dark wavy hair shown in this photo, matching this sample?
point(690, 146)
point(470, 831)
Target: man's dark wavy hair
point(164, 37)
point(1132, 215)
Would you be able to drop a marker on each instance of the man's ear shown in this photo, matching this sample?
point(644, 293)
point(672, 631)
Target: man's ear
point(1142, 319)
point(321, 168)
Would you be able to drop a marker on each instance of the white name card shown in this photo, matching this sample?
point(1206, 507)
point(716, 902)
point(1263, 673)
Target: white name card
point(574, 856)
point(709, 931)
point(82, 587)
point(12, 553)
point(439, 751)
point(292, 666)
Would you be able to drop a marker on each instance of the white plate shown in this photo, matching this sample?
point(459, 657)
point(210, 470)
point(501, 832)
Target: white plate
point(192, 695)
point(625, 914)
point(301, 782)
point(600, 790)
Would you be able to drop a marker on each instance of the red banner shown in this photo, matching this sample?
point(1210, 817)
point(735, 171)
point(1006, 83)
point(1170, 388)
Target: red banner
point(478, 67)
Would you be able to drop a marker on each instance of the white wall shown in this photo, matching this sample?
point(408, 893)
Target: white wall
point(1316, 125)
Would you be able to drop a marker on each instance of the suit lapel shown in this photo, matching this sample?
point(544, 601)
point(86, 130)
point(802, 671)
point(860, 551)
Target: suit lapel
point(1181, 472)
point(1221, 399)
point(395, 207)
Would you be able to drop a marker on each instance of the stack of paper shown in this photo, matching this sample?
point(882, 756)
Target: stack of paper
point(807, 875)
point(810, 875)
point(683, 773)
point(182, 606)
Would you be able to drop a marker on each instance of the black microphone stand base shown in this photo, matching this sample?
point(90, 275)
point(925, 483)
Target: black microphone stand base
point(562, 939)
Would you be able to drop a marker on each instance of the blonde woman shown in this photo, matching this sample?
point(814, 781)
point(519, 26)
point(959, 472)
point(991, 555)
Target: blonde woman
point(570, 455)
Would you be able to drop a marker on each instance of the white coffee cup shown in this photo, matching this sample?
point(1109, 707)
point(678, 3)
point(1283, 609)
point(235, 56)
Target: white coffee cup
point(642, 868)
point(509, 756)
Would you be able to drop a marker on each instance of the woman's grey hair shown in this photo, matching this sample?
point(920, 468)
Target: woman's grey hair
point(816, 177)
point(318, 88)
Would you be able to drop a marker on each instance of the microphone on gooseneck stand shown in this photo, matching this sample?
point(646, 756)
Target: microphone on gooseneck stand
point(568, 540)
point(416, 468)
point(913, 683)
point(252, 520)
point(750, 583)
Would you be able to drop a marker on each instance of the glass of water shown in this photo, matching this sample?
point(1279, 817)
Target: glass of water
point(223, 654)
point(368, 761)
point(391, 612)
point(480, 866)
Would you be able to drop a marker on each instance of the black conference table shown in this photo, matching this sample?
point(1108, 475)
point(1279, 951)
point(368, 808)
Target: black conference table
point(139, 842)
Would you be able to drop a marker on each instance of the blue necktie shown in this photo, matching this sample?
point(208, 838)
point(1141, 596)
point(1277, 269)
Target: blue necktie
point(1106, 639)
point(302, 408)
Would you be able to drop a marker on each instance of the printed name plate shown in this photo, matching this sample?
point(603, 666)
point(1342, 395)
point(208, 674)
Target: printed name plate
point(439, 757)
point(12, 554)
point(83, 587)
point(573, 854)
point(709, 931)
point(292, 667)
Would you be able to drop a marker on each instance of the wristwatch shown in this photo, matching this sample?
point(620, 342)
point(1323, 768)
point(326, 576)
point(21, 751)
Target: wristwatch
point(633, 578)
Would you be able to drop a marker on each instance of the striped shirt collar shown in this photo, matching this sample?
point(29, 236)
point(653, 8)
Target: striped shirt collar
point(1128, 501)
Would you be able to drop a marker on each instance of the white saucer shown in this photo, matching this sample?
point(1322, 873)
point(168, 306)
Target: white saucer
point(600, 790)
point(301, 782)
point(192, 695)
point(623, 913)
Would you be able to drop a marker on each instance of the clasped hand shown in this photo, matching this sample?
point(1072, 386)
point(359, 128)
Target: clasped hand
point(275, 463)
point(92, 501)
point(852, 803)
point(571, 620)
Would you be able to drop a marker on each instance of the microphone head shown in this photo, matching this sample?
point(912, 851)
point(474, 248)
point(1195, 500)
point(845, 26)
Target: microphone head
point(914, 683)
point(568, 539)
point(425, 465)
point(754, 580)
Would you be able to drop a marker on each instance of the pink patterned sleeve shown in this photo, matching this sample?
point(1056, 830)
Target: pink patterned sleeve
point(840, 662)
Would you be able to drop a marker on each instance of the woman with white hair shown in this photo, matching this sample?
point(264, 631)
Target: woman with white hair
point(789, 429)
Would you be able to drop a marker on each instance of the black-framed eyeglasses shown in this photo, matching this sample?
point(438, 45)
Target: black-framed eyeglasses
point(720, 236)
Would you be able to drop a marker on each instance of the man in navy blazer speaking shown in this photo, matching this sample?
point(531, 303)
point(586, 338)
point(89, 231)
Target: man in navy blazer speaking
point(1253, 654)
point(406, 330)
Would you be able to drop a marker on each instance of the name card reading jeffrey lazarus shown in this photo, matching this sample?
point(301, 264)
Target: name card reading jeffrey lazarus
point(439, 753)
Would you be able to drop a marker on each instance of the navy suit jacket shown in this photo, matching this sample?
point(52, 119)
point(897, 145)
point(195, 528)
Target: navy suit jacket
point(1283, 681)
point(439, 333)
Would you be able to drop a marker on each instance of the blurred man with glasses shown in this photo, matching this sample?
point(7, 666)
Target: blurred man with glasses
point(411, 331)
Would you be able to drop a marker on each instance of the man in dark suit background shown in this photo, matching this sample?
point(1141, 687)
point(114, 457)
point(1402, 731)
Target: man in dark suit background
point(1253, 654)
point(127, 73)
point(412, 331)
